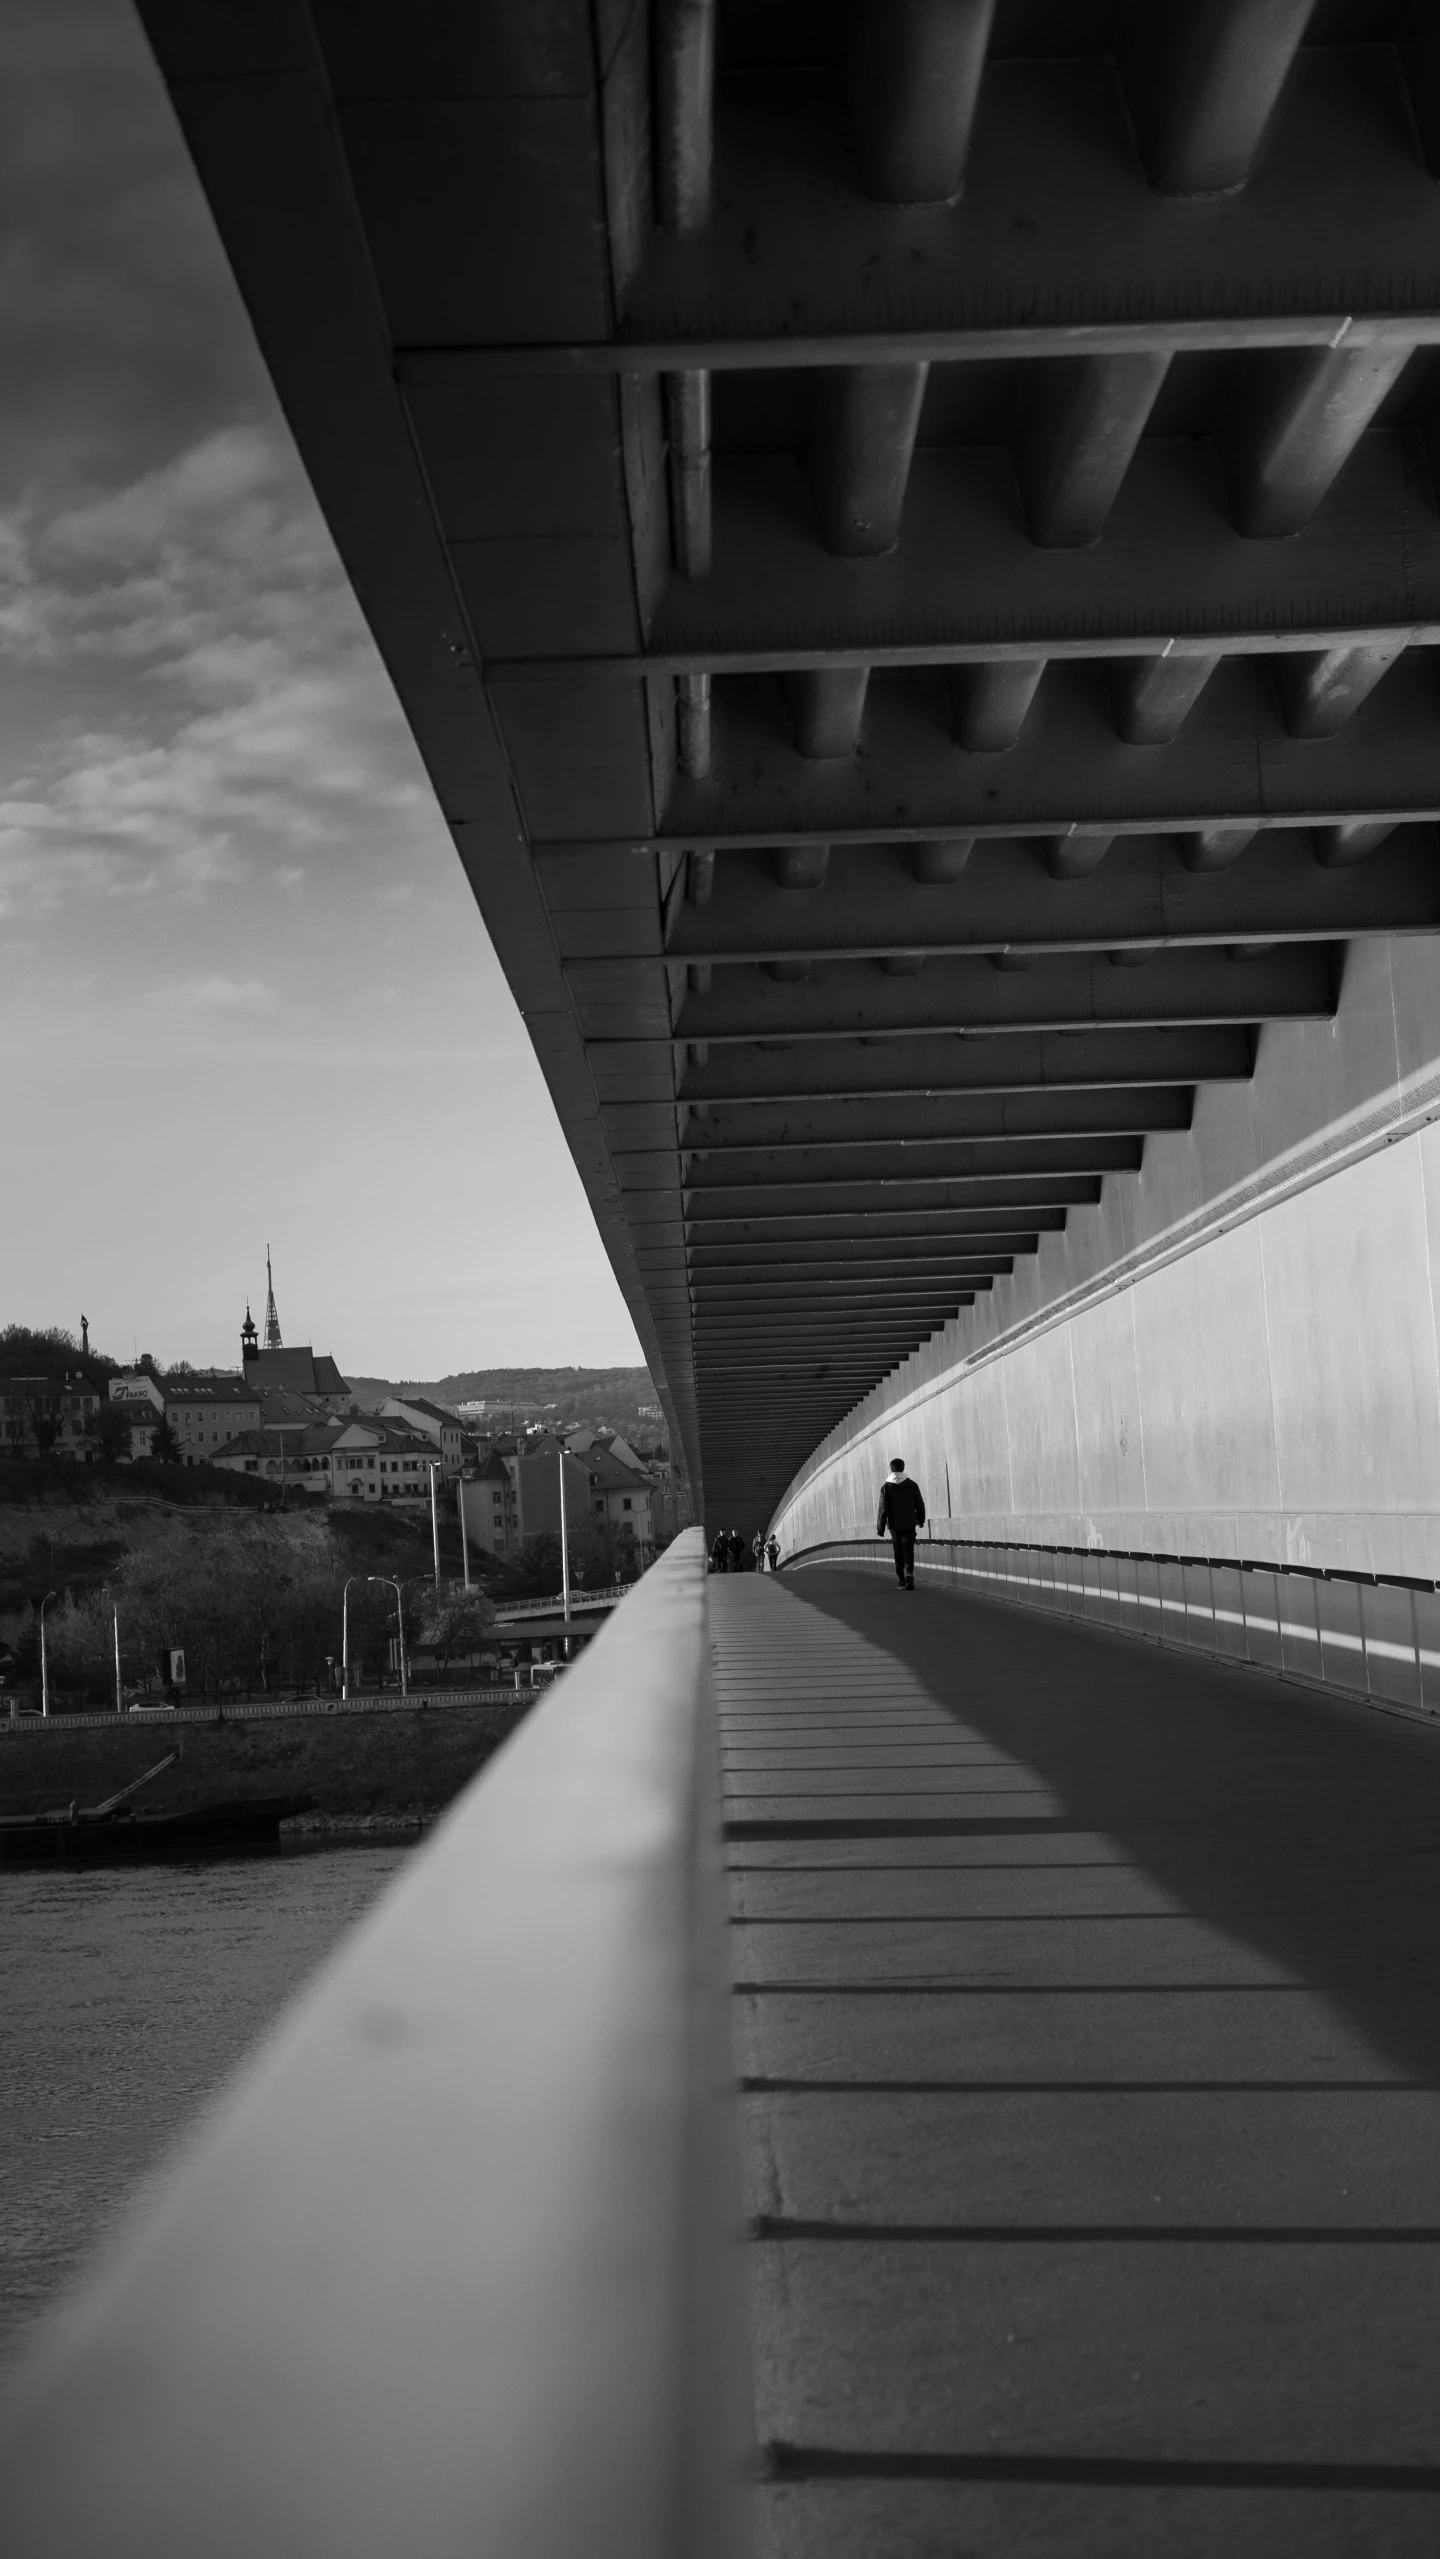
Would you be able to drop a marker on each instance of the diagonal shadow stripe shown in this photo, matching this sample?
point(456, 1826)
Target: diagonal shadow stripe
point(1074, 2470)
point(1096, 2234)
point(919, 1827)
point(763, 2087)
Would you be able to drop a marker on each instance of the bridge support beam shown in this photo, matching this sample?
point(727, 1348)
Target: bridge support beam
point(1155, 696)
point(1203, 82)
point(990, 702)
point(1084, 417)
point(1319, 694)
point(862, 445)
point(829, 705)
point(1303, 423)
point(913, 72)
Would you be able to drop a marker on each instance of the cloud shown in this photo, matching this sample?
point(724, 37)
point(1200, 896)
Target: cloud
point(245, 720)
point(216, 994)
point(124, 334)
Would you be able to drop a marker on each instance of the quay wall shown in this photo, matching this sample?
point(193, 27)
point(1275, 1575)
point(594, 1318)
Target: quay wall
point(1234, 1354)
point(405, 1762)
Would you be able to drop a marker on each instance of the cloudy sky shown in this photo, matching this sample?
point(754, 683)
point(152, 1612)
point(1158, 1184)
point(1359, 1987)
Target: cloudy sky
point(244, 992)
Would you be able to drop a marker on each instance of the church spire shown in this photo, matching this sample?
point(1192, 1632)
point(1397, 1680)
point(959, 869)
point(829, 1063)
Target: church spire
point(272, 1320)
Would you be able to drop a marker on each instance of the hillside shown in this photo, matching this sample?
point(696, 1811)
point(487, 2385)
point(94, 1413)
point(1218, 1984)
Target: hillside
point(612, 1395)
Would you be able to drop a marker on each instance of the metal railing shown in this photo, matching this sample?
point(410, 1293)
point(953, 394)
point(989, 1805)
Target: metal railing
point(456, 2264)
point(254, 1710)
point(1366, 1635)
point(508, 1612)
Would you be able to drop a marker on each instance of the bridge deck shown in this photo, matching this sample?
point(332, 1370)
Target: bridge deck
point(1088, 2021)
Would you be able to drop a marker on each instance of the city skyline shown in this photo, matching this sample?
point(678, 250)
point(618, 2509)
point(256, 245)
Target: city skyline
point(243, 984)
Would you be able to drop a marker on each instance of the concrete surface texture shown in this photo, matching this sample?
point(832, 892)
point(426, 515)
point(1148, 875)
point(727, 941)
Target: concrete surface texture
point(1232, 1354)
point(1091, 2054)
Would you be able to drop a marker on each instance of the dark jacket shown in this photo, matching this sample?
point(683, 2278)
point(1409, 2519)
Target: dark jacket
point(902, 1508)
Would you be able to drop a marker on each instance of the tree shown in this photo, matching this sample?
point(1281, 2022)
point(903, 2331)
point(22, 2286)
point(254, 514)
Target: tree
point(80, 1640)
point(537, 1566)
point(164, 1444)
point(43, 1423)
point(28, 1350)
point(598, 1554)
point(452, 1621)
point(107, 1433)
point(252, 1601)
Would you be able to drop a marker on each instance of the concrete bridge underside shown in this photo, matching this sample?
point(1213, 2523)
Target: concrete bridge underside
point(908, 539)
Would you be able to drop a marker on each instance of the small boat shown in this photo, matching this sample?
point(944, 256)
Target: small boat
point(116, 1833)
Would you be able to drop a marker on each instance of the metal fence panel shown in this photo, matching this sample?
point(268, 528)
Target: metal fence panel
point(1172, 1600)
point(1427, 1629)
point(1300, 1649)
point(1260, 1601)
point(1337, 1611)
point(1225, 1583)
point(1199, 1607)
point(1387, 1621)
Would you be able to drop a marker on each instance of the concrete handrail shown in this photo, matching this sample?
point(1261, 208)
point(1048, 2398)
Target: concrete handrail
point(456, 2264)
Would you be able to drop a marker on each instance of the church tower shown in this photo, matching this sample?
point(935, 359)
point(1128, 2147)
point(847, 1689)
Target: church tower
point(249, 1345)
point(272, 1319)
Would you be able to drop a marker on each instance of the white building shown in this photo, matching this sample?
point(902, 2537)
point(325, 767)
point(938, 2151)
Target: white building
point(438, 1425)
point(206, 1413)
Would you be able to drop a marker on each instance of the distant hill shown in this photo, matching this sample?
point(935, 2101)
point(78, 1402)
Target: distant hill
point(515, 1395)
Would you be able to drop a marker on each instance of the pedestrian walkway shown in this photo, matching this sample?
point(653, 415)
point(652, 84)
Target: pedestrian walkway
point(1088, 2017)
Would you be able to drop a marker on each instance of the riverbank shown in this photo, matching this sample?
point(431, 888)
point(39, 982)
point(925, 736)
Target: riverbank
point(403, 1765)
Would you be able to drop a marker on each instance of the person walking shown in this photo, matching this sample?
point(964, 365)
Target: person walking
point(738, 1551)
point(772, 1554)
point(720, 1551)
point(757, 1549)
point(901, 1512)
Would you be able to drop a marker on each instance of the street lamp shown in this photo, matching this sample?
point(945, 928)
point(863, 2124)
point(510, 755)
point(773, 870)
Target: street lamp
point(391, 1584)
point(345, 1636)
point(564, 1554)
point(44, 1659)
point(434, 1465)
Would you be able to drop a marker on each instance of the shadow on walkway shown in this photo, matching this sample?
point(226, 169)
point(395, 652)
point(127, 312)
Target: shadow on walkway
point(1307, 1827)
point(1087, 2018)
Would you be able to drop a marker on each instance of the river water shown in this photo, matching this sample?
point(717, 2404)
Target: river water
point(128, 1997)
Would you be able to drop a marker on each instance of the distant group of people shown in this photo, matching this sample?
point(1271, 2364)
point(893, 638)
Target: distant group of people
point(730, 1554)
point(900, 1517)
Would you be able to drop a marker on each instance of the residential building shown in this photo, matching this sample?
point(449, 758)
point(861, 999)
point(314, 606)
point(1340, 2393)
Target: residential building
point(296, 1456)
point(381, 1461)
point(490, 1506)
point(47, 1416)
point(442, 1427)
point(623, 1498)
point(359, 1459)
point(141, 1420)
point(207, 1412)
point(536, 1474)
point(282, 1412)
